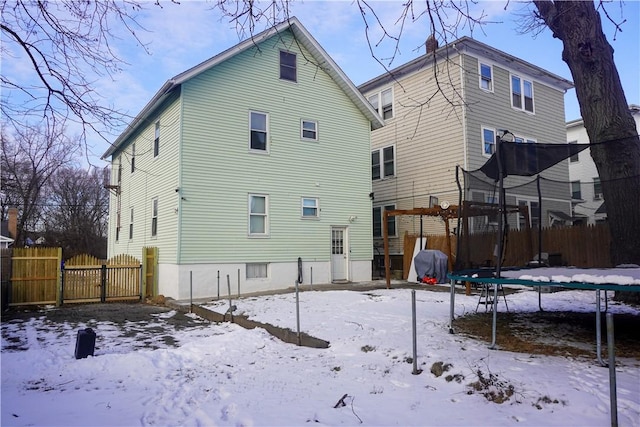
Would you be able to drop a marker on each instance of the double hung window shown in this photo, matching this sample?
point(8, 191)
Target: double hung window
point(156, 140)
point(288, 69)
point(258, 215)
point(377, 221)
point(310, 207)
point(382, 102)
point(154, 217)
point(521, 94)
point(258, 123)
point(488, 141)
point(486, 77)
point(309, 130)
point(383, 163)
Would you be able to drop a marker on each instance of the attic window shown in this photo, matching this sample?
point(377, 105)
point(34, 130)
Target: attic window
point(288, 66)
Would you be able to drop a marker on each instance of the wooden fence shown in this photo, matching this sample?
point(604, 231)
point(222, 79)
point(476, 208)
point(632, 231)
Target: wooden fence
point(35, 276)
point(38, 277)
point(586, 246)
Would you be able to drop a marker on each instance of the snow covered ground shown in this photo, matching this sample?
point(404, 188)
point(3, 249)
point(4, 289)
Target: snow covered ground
point(224, 375)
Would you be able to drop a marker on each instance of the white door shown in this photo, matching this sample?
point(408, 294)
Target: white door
point(339, 254)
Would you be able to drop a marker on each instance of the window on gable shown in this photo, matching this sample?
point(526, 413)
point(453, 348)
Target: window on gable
point(377, 221)
point(310, 207)
point(156, 140)
point(288, 66)
point(119, 169)
point(258, 215)
point(309, 130)
point(154, 217)
point(131, 224)
point(488, 141)
point(383, 163)
point(486, 77)
point(521, 94)
point(258, 128)
point(576, 192)
point(382, 102)
point(133, 157)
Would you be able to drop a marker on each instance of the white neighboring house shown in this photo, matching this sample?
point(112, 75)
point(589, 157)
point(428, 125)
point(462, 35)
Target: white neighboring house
point(5, 242)
point(588, 204)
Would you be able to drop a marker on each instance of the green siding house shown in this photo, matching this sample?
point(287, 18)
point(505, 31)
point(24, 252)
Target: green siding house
point(245, 163)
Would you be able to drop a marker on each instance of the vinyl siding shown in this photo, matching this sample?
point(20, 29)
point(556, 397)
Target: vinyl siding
point(153, 177)
point(428, 133)
point(219, 171)
point(432, 136)
point(545, 125)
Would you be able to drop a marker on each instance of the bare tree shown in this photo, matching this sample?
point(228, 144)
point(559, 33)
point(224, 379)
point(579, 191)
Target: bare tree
point(605, 114)
point(30, 156)
point(76, 210)
point(67, 45)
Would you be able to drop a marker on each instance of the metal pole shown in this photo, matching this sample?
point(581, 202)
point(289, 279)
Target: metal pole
point(298, 313)
point(230, 304)
point(311, 278)
point(415, 337)
point(612, 372)
point(218, 284)
point(598, 331)
point(495, 317)
point(238, 283)
point(190, 291)
point(452, 302)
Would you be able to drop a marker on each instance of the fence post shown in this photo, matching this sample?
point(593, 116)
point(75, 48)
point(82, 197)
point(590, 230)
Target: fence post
point(103, 283)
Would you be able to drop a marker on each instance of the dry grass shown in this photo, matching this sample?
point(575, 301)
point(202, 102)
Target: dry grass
point(557, 333)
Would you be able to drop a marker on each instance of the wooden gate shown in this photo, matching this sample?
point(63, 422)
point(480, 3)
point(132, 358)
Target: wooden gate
point(87, 279)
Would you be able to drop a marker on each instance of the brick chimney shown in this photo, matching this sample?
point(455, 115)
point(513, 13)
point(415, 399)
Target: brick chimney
point(432, 44)
point(12, 226)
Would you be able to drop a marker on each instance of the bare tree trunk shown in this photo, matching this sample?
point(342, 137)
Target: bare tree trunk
point(606, 117)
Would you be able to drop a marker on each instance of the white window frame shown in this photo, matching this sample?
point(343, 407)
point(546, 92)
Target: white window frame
point(597, 184)
point(288, 67)
point(264, 215)
point(378, 212)
point(266, 132)
point(482, 79)
point(257, 270)
point(316, 206)
point(376, 101)
point(382, 162)
point(486, 142)
point(154, 217)
point(156, 140)
point(521, 86)
point(303, 129)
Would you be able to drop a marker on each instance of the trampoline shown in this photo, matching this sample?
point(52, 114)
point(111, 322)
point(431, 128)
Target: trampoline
point(613, 279)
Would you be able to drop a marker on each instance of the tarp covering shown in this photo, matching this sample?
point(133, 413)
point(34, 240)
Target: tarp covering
point(528, 159)
point(431, 263)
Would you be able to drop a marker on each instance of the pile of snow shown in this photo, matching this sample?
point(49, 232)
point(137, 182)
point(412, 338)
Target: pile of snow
point(224, 375)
